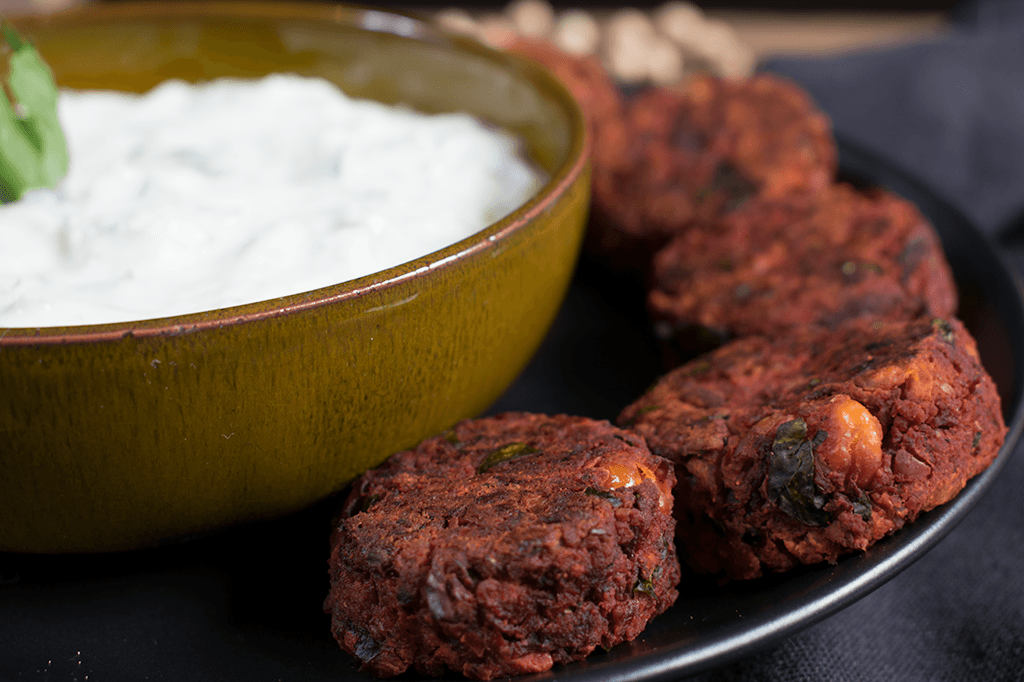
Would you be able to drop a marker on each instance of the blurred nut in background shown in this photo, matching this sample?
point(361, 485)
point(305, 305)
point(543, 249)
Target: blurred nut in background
point(578, 33)
point(532, 18)
point(457, 21)
point(636, 47)
point(664, 62)
point(680, 21)
point(724, 51)
point(628, 37)
point(629, 23)
point(497, 30)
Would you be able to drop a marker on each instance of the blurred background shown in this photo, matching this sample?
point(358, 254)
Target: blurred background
point(765, 29)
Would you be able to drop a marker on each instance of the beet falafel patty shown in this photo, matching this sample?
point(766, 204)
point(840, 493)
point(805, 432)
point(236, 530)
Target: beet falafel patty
point(502, 547)
point(705, 150)
point(799, 449)
point(817, 258)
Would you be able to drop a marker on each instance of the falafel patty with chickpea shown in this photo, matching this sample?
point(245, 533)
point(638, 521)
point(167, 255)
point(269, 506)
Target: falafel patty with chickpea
point(801, 448)
point(502, 547)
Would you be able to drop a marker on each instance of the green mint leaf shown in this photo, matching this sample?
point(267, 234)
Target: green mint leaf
point(33, 151)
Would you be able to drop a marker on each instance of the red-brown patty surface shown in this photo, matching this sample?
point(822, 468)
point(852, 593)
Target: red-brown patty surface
point(705, 149)
point(801, 448)
point(807, 258)
point(502, 547)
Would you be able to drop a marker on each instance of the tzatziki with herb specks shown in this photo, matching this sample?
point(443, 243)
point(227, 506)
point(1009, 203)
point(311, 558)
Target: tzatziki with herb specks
point(196, 197)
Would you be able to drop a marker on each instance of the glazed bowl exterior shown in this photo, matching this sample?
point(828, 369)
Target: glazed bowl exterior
point(122, 436)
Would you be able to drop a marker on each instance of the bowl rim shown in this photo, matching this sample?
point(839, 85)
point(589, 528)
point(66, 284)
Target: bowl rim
point(407, 26)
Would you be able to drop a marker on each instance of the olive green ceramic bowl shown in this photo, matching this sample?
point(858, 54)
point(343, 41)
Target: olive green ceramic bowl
point(122, 436)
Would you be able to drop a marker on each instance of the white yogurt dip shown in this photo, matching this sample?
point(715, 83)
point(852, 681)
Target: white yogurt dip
point(191, 198)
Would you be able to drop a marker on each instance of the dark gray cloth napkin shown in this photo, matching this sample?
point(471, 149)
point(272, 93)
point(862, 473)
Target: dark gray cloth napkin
point(950, 111)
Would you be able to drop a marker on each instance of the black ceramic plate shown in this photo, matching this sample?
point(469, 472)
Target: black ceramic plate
point(245, 604)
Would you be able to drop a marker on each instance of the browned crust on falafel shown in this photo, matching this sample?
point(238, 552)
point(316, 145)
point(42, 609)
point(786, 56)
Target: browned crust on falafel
point(705, 149)
point(802, 448)
point(505, 546)
point(806, 258)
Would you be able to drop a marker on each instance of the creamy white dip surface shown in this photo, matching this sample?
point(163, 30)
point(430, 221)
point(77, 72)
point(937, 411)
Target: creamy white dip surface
point(191, 198)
